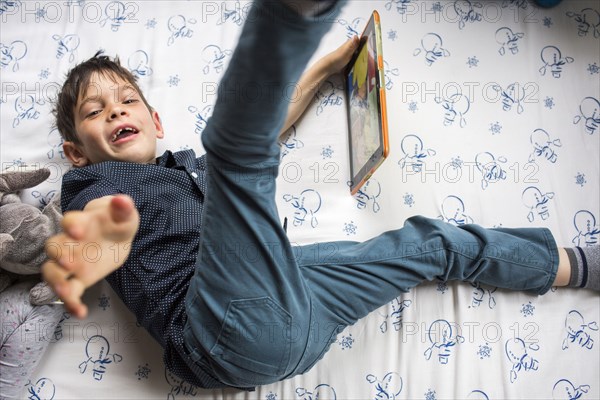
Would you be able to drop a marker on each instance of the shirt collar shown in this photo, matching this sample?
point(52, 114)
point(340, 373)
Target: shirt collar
point(184, 158)
point(167, 160)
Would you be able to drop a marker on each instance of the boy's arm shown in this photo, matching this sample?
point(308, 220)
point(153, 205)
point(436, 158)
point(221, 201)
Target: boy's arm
point(310, 81)
point(93, 244)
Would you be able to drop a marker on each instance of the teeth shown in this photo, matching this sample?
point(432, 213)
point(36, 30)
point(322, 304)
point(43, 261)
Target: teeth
point(126, 129)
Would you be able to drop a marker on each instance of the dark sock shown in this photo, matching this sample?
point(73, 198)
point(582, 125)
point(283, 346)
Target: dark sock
point(585, 267)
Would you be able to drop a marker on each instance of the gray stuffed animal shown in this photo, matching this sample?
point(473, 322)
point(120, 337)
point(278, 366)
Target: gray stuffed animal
point(28, 304)
point(24, 231)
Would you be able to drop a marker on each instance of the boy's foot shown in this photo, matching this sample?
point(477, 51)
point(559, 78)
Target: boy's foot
point(94, 243)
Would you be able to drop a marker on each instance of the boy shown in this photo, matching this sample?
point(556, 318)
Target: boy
point(176, 249)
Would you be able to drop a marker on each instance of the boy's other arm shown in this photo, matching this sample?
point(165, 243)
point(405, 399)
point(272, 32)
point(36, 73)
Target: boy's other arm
point(310, 81)
point(93, 244)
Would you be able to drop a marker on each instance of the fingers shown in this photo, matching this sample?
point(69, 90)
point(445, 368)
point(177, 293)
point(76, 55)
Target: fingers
point(124, 219)
point(340, 57)
point(350, 44)
point(67, 288)
point(63, 271)
point(122, 208)
point(75, 258)
point(74, 224)
point(347, 49)
point(94, 243)
point(68, 249)
point(74, 305)
point(57, 250)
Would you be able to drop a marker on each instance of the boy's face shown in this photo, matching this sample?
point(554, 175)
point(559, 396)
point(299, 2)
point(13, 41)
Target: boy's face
point(113, 124)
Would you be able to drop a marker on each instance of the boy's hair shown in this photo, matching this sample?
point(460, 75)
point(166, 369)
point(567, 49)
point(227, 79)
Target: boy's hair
point(77, 82)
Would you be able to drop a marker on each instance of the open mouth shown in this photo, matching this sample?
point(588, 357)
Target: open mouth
point(123, 133)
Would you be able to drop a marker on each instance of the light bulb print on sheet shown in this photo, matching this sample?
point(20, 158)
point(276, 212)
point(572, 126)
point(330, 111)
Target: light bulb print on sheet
point(431, 48)
point(178, 387)
point(179, 28)
point(455, 107)
point(490, 168)
point(400, 6)
point(389, 74)
point(322, 391)
point(478, 395)
point(98, 357)
point(201, 116)
point(453, 211)
point(67, 45)
point(481, 293)
point(467, 12)
point(579, 331)
point(587, 229)
point(328, 96)
point(514, 96)
point(42, 389)
point(215, 59)
point(352, 28)
point(367, 195)
point(589, 115)
point(139, 63)
point(442, 338)
point(520, 355)
point(508, 40)
point(26, 109)
point(543, 146)
point(414, 154)
point(117, 13)
point(553, 61)
point(290, 142)
point(387, 388)
point(537, 203)
point(564, 389)
point(11, 53)
point(588, 22)
point(232, 12)
point(306, 206)
point(395, 318)
point(55, 145)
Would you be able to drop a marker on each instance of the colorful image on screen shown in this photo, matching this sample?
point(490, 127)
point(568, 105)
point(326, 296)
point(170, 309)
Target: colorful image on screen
point(364, 115)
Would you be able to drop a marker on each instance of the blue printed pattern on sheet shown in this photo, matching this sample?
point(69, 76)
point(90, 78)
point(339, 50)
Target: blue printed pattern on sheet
point(494, 119)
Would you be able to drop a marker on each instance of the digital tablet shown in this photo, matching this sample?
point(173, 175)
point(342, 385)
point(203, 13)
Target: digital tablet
point(365, 101)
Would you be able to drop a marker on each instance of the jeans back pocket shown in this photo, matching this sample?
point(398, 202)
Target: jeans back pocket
point(254, 343)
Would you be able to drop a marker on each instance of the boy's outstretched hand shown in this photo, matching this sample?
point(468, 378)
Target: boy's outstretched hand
point(312, 78)
point(94, 243)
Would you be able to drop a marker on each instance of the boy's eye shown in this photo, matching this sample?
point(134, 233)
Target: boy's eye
point(93, 113)
point(129, 101)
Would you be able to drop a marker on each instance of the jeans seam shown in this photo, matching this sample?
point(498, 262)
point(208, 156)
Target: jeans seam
point(489, 257)
point(370, 260)
point(550, 245)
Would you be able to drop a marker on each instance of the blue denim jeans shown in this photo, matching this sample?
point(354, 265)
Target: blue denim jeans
point(261, 310)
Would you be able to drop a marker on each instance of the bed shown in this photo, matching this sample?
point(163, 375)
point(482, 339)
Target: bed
point(494, 116)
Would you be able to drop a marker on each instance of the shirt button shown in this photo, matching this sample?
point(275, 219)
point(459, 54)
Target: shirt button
point(195, 175)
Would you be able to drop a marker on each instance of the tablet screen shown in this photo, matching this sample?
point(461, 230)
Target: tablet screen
point(363, 108)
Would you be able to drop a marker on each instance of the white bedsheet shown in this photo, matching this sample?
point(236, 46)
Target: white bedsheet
point(497, 83)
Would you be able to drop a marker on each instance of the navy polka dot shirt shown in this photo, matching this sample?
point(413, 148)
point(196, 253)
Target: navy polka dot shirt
point(155, 278)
